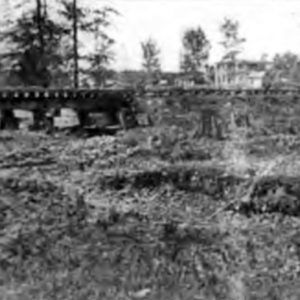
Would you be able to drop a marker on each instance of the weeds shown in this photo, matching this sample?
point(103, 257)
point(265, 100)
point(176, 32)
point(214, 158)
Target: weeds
point(148, 218)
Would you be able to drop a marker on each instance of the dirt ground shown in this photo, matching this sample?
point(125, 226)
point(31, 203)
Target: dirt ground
point(152, 213)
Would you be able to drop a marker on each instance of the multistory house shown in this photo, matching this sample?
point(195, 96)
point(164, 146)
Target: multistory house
point(242, 74)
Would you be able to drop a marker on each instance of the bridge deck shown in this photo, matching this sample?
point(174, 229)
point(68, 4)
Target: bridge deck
point(44, 99)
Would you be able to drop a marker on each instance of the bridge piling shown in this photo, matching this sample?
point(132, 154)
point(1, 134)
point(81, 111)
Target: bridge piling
point(8, 120)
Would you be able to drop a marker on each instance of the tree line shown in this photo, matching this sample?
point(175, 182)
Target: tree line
point(196, 50)
point(44, 47)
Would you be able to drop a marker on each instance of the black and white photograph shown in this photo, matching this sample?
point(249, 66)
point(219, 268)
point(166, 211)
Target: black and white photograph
point(149, 150)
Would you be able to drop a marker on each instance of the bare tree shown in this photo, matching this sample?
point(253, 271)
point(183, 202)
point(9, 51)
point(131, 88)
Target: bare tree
point(88, 21)
point(231, 40)
point(151, 60)
point(103, 53)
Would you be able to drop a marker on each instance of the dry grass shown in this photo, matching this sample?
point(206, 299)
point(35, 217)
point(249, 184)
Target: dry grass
point(140, 241)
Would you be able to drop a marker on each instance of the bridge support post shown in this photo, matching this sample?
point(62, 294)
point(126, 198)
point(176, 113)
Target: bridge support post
point(49, 124)
point(49, 119)
point(8, 120)
point(38, 119)
point(127, 119)
point(83, 117)
point(122, 119)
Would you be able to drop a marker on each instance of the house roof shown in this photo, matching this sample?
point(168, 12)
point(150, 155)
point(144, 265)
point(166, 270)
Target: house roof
point(257, 63)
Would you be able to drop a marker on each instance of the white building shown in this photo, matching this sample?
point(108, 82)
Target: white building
point(240, 74)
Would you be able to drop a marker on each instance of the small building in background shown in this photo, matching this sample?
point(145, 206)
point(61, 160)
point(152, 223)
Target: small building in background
point(190, 80)
point(240, 74)
point(255, 79)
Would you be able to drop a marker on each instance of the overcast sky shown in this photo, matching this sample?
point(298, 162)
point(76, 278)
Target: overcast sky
point(270, 26)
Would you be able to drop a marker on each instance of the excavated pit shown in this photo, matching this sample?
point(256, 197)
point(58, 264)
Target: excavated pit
point(270, 194)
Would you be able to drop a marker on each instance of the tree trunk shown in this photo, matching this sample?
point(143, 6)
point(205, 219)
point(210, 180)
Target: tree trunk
point(41, 15)
point(75, 43)
point(45, 9)
point(40, 20)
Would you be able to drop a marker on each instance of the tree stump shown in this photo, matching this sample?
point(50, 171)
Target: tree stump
point(212, 124)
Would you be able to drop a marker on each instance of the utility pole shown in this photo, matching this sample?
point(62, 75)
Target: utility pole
point(75, 43)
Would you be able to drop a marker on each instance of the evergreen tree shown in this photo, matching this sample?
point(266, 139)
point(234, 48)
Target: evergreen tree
point(32, 43)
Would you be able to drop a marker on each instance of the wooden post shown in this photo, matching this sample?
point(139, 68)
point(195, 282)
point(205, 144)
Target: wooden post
point(207, 121)
point(1, 120)
point(219, 127)
point(49, 119)
point(38, 119)
point(83, 118)
point(122, 119)
point(8, 120)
